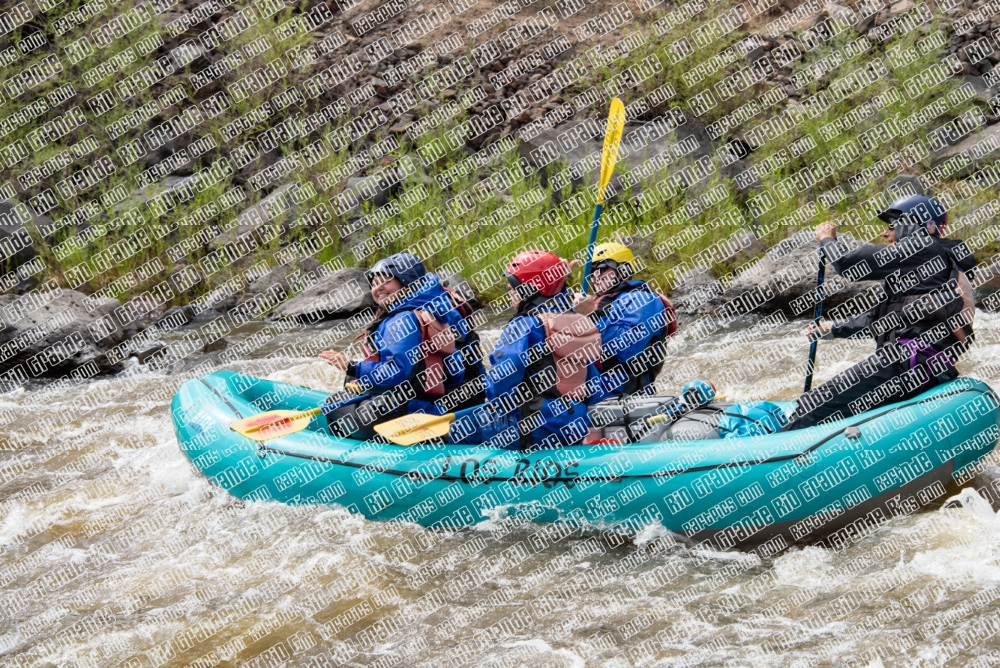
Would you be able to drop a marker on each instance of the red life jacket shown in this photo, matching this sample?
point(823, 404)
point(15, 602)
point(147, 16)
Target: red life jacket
point(460, 303)
point(670, 315)
point(575, 344)
point(436, 340)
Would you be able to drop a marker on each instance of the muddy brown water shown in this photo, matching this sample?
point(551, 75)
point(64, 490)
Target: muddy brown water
point(117, 552)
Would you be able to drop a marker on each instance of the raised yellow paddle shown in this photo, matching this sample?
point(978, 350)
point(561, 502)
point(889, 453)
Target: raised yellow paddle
point(272, 424)
point(609, 156)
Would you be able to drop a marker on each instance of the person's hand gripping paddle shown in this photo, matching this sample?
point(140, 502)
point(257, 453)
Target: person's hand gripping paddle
point(609, 156)
point(272, 424)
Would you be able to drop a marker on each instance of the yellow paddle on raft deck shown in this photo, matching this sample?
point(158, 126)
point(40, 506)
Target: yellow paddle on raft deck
point(416, 428)
point(272, 424)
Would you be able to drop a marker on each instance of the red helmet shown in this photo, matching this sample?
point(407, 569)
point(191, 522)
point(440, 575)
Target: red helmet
point(541, 270)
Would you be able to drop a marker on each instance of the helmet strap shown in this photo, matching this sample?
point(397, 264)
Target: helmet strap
point(623, 272)
point(533, 302)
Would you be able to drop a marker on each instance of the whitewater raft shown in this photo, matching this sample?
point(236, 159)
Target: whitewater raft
point(824, 484)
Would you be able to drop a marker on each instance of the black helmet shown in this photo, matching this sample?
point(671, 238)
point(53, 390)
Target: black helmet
point(404, 266)
point(917, 211)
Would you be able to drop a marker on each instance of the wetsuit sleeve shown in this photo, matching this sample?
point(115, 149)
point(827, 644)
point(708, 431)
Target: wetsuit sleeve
point(877, 262)
point(400, 341)
point(625, 331)
point(963, 257)
point(508, 359)
point(859, 264)
point(841, 329)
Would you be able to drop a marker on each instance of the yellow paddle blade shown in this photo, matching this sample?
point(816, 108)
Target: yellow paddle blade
point(273, 424)
point(415, 428)
point(657, 418)
point(612, 140)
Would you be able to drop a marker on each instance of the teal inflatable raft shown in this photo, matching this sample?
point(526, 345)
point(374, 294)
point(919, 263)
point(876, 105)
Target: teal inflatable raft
point(824, 484)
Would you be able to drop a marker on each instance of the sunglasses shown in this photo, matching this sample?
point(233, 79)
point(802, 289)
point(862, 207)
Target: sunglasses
point(894, 218)
point(370, 277)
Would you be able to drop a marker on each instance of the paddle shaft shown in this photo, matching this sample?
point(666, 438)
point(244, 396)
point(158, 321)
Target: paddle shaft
point(816, 316)
point(590, 246)
point(676, 411)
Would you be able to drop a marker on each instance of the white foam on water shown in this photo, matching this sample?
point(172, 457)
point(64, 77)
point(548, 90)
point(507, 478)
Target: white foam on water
point(495, 517)
point(730, 557)
point(977, 506)
point(161, 460)
point(543, 648)
point(650, 533)
point(314, 374)
point(809, 566)
point(31, 517)
point(13, 394)
point(973, 542)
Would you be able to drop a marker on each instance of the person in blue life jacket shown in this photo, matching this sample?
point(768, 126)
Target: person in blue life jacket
point(633, 319)
point(543, 370)
point(420, 346)
point(921, 327)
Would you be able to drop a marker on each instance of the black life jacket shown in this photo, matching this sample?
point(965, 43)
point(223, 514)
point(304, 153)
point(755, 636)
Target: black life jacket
point(908, 314)
point(472, 349)
point(637, 381)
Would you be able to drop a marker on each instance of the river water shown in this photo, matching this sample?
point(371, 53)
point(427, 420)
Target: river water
point(117, 552)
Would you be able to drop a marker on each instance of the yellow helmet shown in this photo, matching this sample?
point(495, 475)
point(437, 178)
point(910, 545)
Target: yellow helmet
point(612, 250)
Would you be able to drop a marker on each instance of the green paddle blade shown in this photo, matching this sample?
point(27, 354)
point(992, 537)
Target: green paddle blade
point(415, 428)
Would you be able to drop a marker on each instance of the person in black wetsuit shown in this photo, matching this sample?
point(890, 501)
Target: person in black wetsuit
point(922, 325)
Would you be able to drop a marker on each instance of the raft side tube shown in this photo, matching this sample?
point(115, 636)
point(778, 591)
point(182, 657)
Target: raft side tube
point(779, 489)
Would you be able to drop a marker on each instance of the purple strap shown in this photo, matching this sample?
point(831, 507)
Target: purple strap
point(922, 348)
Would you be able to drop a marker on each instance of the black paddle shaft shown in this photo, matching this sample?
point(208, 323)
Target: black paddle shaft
point(816, 316)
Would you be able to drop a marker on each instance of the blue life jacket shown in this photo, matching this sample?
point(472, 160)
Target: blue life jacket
point(634, 323)
point(422, 339)
point(519, 367)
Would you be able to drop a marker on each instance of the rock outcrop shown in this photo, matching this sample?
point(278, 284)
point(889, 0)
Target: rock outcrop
point(339, 295)
point(59, 332)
